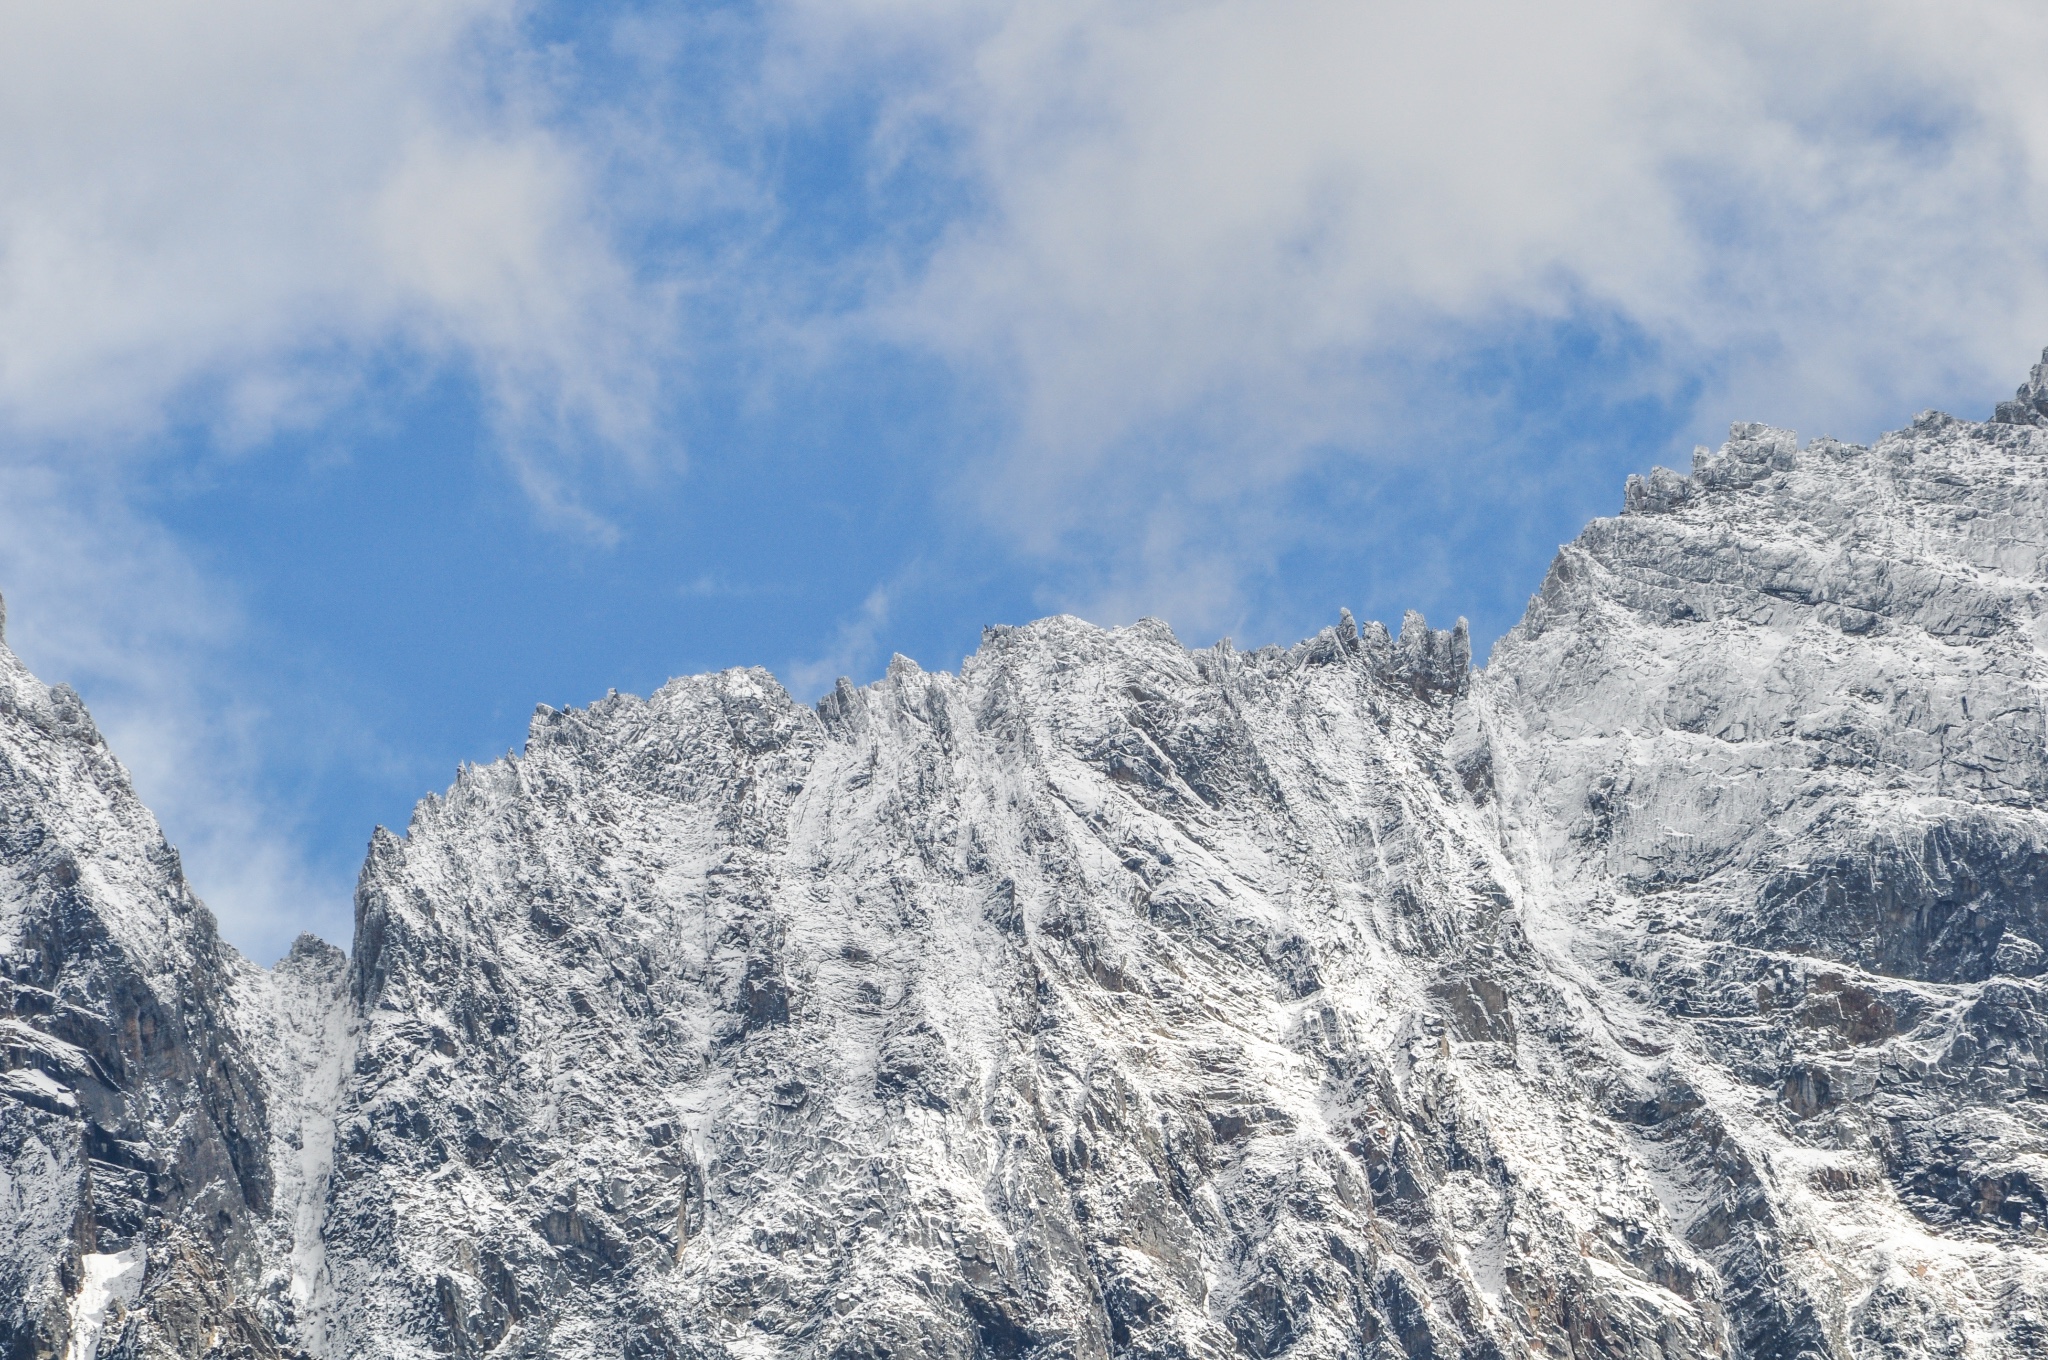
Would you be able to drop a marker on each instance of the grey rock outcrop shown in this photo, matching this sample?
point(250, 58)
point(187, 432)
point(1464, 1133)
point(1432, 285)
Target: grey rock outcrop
point(2029, 405)
point(134, 1167)
point(1672, 987)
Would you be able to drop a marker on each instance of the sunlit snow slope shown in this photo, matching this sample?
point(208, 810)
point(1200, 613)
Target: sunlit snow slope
point(1670, 988)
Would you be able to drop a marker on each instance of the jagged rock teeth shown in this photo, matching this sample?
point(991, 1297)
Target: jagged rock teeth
point(2029, 405)
point(1672, 987)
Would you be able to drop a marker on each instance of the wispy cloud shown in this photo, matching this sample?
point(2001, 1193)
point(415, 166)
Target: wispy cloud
point(851, 649)
point(719, 586)
point(104, 600)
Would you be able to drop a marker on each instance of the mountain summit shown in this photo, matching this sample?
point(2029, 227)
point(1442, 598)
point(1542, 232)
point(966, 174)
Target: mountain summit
point(1671, 987)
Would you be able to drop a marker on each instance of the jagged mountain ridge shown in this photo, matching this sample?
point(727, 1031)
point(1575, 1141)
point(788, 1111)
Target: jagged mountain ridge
point(1670, 987)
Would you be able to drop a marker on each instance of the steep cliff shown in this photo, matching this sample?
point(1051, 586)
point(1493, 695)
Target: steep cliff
point(134, 1166)
point(1671, 987)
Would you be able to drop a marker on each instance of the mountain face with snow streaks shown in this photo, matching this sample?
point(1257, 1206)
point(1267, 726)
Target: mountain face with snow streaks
point(1670, 987)
point(132, 1115)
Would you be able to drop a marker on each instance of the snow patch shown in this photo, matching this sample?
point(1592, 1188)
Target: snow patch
point(113, 1282)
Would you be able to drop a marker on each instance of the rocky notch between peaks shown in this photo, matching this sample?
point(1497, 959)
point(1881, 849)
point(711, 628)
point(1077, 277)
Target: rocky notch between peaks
point(1672, 987)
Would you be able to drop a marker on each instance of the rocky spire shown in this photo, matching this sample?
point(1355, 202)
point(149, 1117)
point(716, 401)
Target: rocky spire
point(2029, 405)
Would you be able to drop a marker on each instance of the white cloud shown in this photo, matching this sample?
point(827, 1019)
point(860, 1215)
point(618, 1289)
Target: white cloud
point(1209, 233)
point(226, 212)
point(249, 196)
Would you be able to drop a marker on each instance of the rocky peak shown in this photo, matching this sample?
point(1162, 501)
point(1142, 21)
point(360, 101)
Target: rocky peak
point(2029, 405)
point(134, 1166)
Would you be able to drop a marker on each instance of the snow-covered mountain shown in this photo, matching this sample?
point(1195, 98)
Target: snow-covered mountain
point(1671, 987)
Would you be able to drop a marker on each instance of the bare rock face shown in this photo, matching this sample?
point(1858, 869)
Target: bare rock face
point(1670, 988)
point(1775, 770)
point(1070, 1005)
point(134, 1170)
point(2029, 405)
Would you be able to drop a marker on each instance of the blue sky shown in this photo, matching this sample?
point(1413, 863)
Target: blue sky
point(370, 373)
